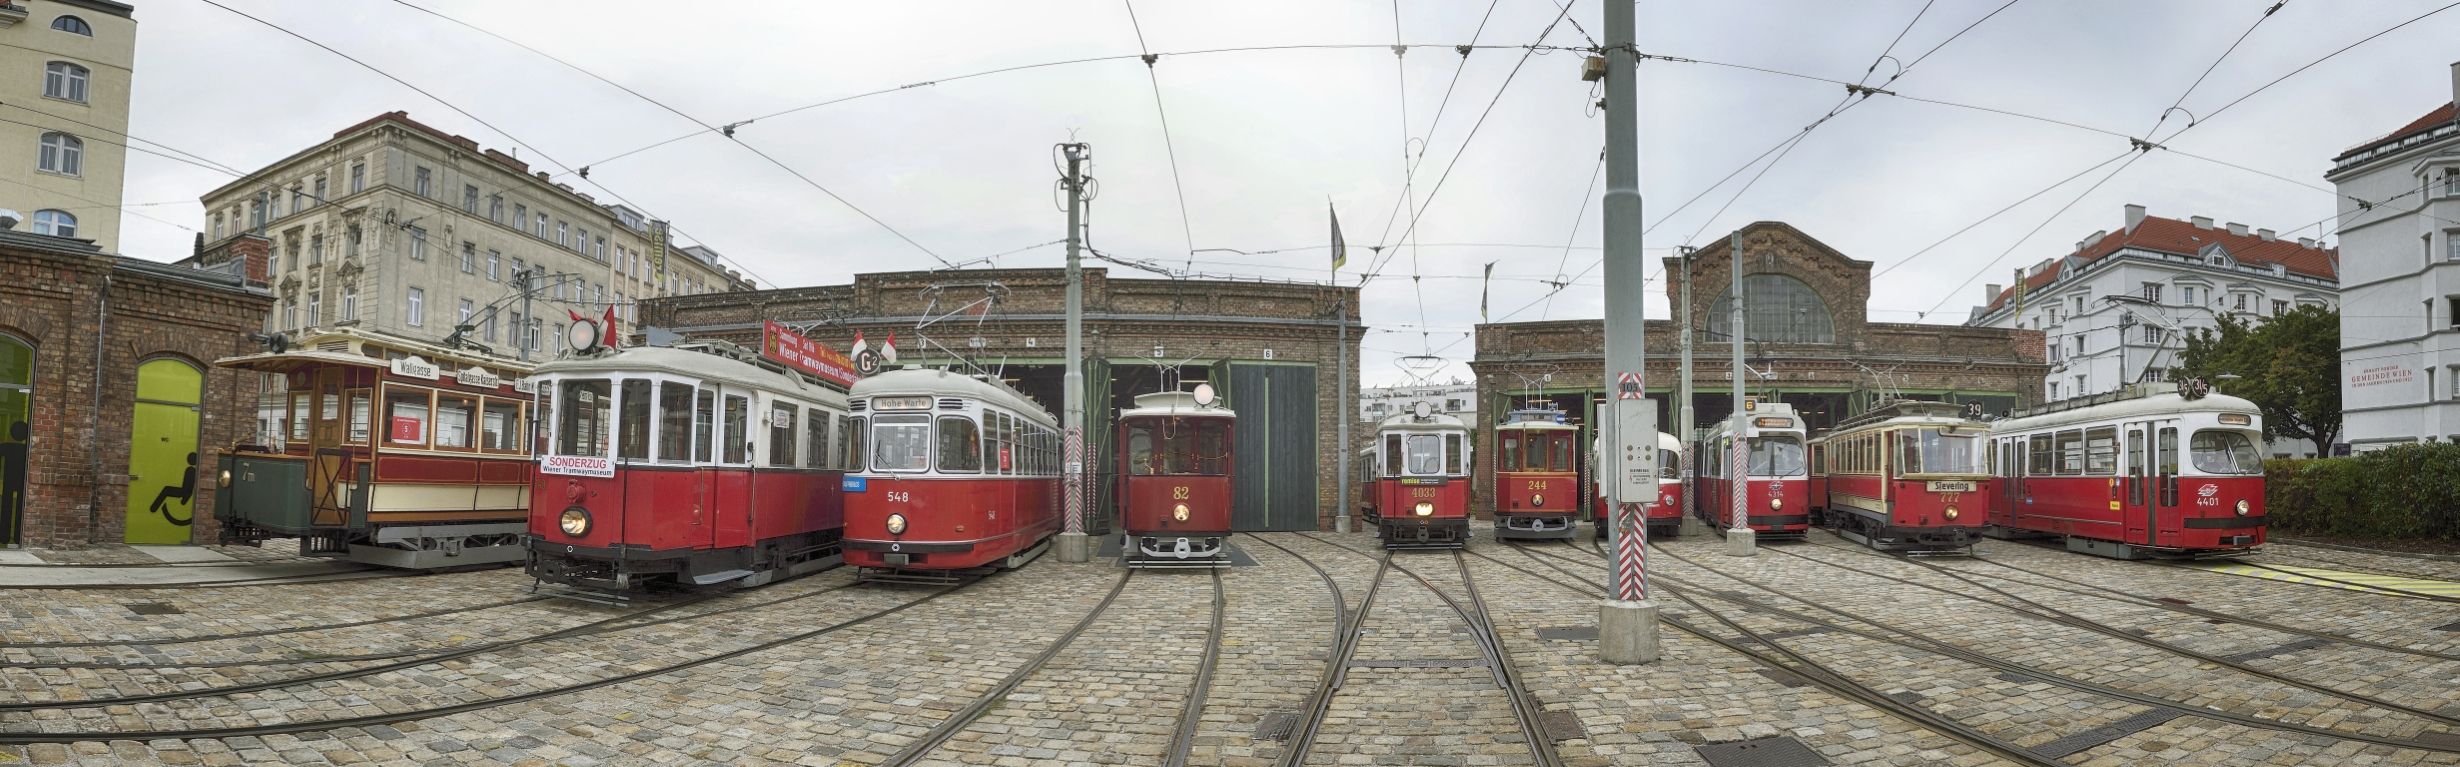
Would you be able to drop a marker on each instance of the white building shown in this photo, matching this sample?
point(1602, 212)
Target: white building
point(2115, 310)
point(2400, 225)
point(1457, 397)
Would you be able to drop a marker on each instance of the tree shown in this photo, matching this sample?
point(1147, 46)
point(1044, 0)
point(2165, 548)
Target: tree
point(2288, 365)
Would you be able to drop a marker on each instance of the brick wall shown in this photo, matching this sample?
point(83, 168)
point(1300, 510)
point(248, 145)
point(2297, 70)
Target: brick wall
point(54, 298)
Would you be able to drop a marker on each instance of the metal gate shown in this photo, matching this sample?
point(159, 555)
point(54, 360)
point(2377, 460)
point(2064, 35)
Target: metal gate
point(1274, 448)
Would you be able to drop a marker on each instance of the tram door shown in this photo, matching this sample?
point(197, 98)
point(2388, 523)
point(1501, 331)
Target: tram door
point(330, 469)
point(2164, 492)
point(2135, 498)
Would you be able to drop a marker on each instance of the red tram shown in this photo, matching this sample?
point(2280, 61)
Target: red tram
point(1536, 463)
point(1907, 476)
point(1778, 488)
point(2153, 470)
point(698, 465)
point(1665, 514)
point(948, 472)
point(1175, 480)
point(1418, 494)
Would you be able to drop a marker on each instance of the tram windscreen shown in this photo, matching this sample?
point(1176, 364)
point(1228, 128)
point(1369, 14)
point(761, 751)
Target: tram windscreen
point(581, 427)
point(901, 443)
point(1179, 446)
point(1926, 451)
point(2224, 452)
point(1669, 464)
point(1425, 454)
point(1777, 456)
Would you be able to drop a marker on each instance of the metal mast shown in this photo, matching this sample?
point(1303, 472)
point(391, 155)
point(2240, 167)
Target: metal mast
point(1073, 545)
point(1738, 540)
point(1686, 420)
point(1626, 620)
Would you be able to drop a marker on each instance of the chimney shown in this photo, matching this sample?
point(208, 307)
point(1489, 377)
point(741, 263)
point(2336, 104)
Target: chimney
point(2201, 222)
point(1990, 294)
point(2455, 82)
point(542, 176)
point(2306, 242)
point(2236, 228)
point(2135, 217)
point(256, 249)
point(2266, 234)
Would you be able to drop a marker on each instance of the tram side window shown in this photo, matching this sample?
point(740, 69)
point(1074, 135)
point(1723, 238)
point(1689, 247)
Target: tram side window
point(2042, 457)
point(738, 429)
point(1512, 454)
point(783, 419)
point(454, 417)
point(1669, 464)
point(854, 438)
point(2169, 452)
point(2101, 451)
point(1392, 455)
point(1563, 452)
point(361, 416)
point(2070, 452)
point(675, 422)
point(1453, 454)
point(299, 414)
point(816, 434)
point(960, 445)
point(994, 437)
point(500, 425)
point(704, 413)
point(634, 425)
point(405, 417)
point(581, 427)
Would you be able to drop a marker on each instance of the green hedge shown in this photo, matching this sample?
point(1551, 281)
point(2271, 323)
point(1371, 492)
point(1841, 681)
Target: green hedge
point(2408, 491)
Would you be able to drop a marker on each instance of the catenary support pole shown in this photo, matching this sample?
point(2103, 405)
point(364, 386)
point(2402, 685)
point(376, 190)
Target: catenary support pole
point(1740, 541)
point(1685, 420)
point(1073, 545)
point(1342, 406)
point(1626, 620)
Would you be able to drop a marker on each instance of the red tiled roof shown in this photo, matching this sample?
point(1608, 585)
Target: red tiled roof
point(2440, 115)
point(2169, 235)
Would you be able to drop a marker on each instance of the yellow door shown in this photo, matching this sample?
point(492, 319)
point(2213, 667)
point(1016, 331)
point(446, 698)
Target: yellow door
point(16, 408)
point(162, 447)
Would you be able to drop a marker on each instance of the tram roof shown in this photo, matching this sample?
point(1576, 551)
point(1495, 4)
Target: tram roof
point(1408, 422)
point(368, 348)
point(938, 382)
point(2138, 402)
point(1535, 420)
point(1173, 403)
point(693, 361)
point(1905, 412)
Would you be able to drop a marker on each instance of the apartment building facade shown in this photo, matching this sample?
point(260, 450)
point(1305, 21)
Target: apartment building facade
point(65, 67)
point(2400, 228)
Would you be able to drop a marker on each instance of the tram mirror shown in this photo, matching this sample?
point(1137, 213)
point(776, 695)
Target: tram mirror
point(1204, 394)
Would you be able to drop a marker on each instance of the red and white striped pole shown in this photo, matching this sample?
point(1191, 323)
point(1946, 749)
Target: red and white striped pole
point(1627, 622)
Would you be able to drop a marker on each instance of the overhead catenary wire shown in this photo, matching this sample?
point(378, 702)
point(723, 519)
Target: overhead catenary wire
point(1187, 227)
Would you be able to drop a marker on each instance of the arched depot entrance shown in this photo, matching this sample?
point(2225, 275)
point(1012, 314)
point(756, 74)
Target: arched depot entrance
point(162, 447)
point(16, 417)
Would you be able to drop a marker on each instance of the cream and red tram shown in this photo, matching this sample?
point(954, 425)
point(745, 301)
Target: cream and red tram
point(1776, 502)
point(699, 465)
point(1665, 512)
point(1175, 479)
point(955, 472)
point(1417, 492)
point(1907, 476)
point(2153, 470)
point(394, 452)
point(1537, 477)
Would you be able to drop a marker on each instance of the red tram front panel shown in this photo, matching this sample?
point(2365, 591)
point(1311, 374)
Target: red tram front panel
point(1772, 505)
point(948, 523)
point(1397, 503)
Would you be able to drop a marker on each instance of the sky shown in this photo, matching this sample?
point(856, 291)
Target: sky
point(886, 137)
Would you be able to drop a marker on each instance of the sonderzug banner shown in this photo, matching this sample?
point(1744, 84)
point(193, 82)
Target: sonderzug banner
point(577, 465)
point(781, 343)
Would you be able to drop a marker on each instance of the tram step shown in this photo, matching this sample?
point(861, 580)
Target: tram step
point(722, 576)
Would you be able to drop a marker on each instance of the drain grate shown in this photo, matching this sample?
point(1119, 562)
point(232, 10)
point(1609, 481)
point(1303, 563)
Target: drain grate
point(1769, 752)
point(2063, 747)
point(1783, 678)
point(1276, 725)
point(1562, 725)
point(1421, 663)
point(155, 608)
point(2304, 644)
point(1569, 634)
point(1909, 698)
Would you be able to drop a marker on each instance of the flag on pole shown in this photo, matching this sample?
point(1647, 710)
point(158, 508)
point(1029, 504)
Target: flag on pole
point(1482, 290)
point(1340, 250)
point(2019, 293)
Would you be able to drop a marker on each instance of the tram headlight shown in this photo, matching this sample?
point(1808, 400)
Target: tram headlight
point(1426, 509)
point(2242, 507)
point(574, 522)
point(1950, 513)
point(1179, 512)
point(896, 524)
point(1776, 503)
point(1537, 500)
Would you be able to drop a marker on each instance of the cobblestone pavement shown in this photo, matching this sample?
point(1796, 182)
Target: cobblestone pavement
point(2278, 552)
point(862, 692)
point(119, 554)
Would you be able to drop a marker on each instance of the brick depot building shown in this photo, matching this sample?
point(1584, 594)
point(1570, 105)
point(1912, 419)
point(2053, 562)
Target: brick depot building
point(1273, 349)
point(108, 363)
point(1807, 342)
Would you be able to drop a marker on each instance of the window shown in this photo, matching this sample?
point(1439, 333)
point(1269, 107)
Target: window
point(57, 223)
point(2041, 458)
point(1777, 456)
point(358, 178)
point(738, 429)
point(516, 333)
point(2223, 452)
point(72, 25)
point(418, 183)
point(495, 261)
point(2054, 391)
point(542, 226)
point(316, 308)
point(405, 417)
point(316, 249)
point(857, 430)
point(290, 316)
point(1452, 406)
point(62, 154)
point(500, 427)
point(320, 191)
point(600, 253)
point(63, 80)
point(469, 199)
point(456, 417)
point(350, 302)
point(1425, 454)
point(217, 226)
point(2186, 295)
point(1779, 309)
point(1392, 455)
point(351, 241)
point(300, 412)
point(362, 418)
point(2152, 292)
point(495, 208)
point(2152, 334)
point(2280, 308)
point(960, 445)
point(518, 266)
point(784, 421)
point(585, 408)
point(486, 324)
point(521, 213)
point(469, 257)
point(1928, 451)
point(2451, 240)
point(559, 231)
point(632, 421)
point(674, 422)
point(2070, 452)
point(2241, 302)
point(1453, 454)
point(2101, 451)
point(417, 313)
point(298, 199)
point(704, 410)
point(816, 434)
point(418, 244)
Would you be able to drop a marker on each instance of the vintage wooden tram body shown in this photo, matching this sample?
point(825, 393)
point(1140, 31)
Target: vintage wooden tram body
point(955, 473)
point(1537, 476)
point(1175, 480)
point(395, 452)
point(700, 465)
point(1907, 476)
point(2153, 470)
point(1777, 495)
point(1417, 490)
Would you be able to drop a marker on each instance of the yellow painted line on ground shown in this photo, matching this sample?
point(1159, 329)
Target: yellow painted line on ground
point(2295, 575)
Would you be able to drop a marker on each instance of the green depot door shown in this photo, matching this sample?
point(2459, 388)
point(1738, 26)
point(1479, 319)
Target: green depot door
point(1273, 447)
point(162, 450)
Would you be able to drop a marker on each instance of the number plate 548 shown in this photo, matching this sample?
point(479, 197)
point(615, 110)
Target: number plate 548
point(895, 496)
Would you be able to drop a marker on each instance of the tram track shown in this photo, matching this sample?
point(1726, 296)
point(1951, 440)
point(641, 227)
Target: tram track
point(26, 738)
point(265, 632)
point(956, 722)
point(1934, 645)
point(1526, 709)
point(1183, 736)
point(1336, 658)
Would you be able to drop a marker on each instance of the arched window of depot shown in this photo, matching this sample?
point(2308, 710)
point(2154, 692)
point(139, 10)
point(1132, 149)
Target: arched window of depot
point(1778, 309)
